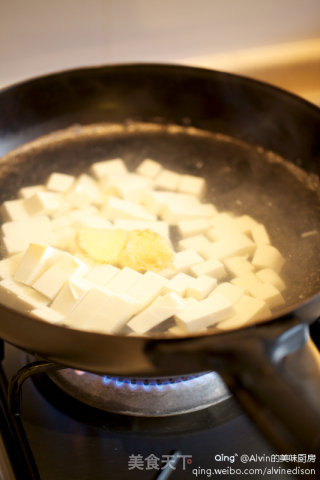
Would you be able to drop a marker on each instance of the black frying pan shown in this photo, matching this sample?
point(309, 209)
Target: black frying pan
point(236, 133)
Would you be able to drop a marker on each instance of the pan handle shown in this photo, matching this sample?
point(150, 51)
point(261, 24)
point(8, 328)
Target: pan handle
point(256, 364)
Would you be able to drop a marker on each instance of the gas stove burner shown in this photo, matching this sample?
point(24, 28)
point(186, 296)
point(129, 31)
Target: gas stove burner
point(148, 397)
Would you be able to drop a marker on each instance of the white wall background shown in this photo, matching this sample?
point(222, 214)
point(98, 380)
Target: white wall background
point(40, 36)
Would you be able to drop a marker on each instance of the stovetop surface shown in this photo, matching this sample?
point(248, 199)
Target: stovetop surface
point(72, 441)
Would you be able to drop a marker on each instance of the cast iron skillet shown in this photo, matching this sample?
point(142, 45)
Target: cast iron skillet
point(235, 132)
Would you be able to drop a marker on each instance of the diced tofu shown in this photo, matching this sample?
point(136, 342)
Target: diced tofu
point(161, 309)
point(268, 293)
point(213, 268)
point(229, 247)
point(175, 213)
point(179, 284)
point(123, 280)
point(197, 243)
point(84, 191)
point(232, 292)
point(149, 168)
point(248, 311)
point(189, 228)
point(14, 295)
point(184, 260)
point(101, 311)
point(268, 275)
point(64, 237)
point(34, 262)
point(26, 192)
point(42, 203)
point(14, 210)
point(59, 182)
point(109, 168)
point(160, 227)
point(66, 299)
point(246, 281)
point(267, 256)
point(53, 279)
point(78, 217)
point(155, 201)
point(8, 266)
point(18, 235)
point(130, 186)
point(245, 223)
point(167, 180)
point(238, 266)
point(118, 208)
point(147, 288)
point(198, 316)
point(102, 274)
point(223, 226)
point(192, 184)
point(201, 287)
point(47, 314)
point(260, 235)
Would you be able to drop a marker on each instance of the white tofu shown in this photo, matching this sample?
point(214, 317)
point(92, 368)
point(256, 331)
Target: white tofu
point(189, 228)
point(238, 266)
point(8, 266)
point(64, 237)
point(158, 226)
point(201, 287)
point(179, 284)
point(101, 311)
point(186, 259)
point(84, 191)
point(79, 217)
point(232, 292)
point(167, 180)
point(161, 309)
point(175, 213)
point(118, 208)
point(229, 247)
point(268, 275)
point(223, 226)
point(123, 280)
point(248, 311)
point(59, 182)
point(155, 201)
point(213, 268)
point(149, 168)
point(102, 274)
point(37, 258)
point(268, 293)
point(129, 186)
point(18, 235)
point(147, 288)
point(14, 210)
point(245, 223)
point(192, 184)
point(42, 203)
point(66, 299)
point(109, 168)
point(260, 235)
point(26, 192)
point(198, 243)
point(53, 279)
point(47, 314)
point(94, 221)
point(246, 281)
point(198, 316)
point(14, 295)
point(267, 256)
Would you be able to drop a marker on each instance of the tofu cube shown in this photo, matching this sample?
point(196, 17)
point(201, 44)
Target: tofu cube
point(146, 289)
point(14, 295)
point(8, 266)
point(248, 311)
point(167, 180)
point(47, 314)
point(192, 184)
point(26, 192)
point(149, 168)
point(19, 234)
point(130, 186)
point(179, 284)
point(238, 266)
point(268, 293)
point(229, 247)
point(232, 292)
point(201, 287)
point(260, 235)
point(245, 224)
point(42, 203)
point(161, 309)
point(267, 256)
point(246, 281)
point(108, 168)
point(71, 292)
point(102, 274)
point(189, 228)
point(198, 243)
point(84, 191)
point(118, 208)
point(37, 258)
point(268, 275)
point(14, 210)
point(196, 317)
point(123, 280)
point(213, 268)
point(191, 209)
point(59, 182)
point(186, 259)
